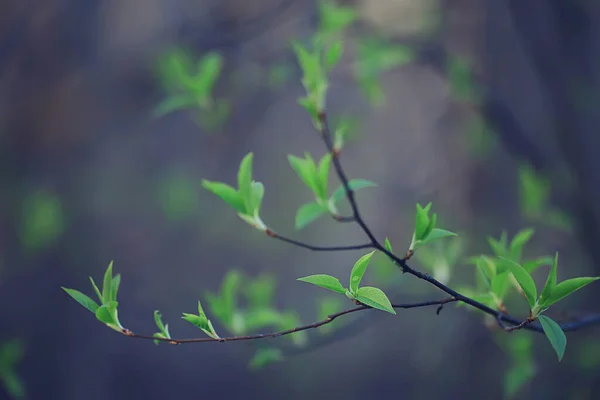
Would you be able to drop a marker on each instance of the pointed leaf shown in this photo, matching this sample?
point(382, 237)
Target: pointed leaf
point(323, 175)
point(265, 356)
point(333, 55)
point(228, 194)
point(98, 293)
point(82, 299)
point(524, 279)
point(116, 282)
point(532, 265)
point(555, 335)
point(354, 184)
point(437, 234)
point(519, 241)
point(173, 103)
point(245, 181)
point(500, 284)
point(550, 282)
point(308, 213)
point(421, 222)
point(158, 320)
point(258, 192)
point(106, 313)
point(198, 321)
point(358, 271)
point(567, 287)
point(107, 285)
point(325, 281)
point(374, 297)
point(388, 245)
point(305, 171)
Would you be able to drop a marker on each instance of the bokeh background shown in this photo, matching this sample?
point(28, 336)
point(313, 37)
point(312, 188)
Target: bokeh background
point(89, 175)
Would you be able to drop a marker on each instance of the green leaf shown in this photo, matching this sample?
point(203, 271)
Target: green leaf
point(116, 282)
point(500, 284)
point(245, 181)
point(98, 293)
point(421, 222)
point(209, 69)
point(323, 175)
point(499, 249)
point(82, 299)
point(374, 297)
point(173, 103)
point(265, 356)
point(519, 241)
point(354, 184)
point(325, 281)
point(532, 265)
point(524, 279)
point(567, 287)
point(437, 234)
point(229, 291)
point(164, 329)
point(334, 18)
point(228, 194)
point(333, 55)
point(107, 285)
point(258, 191)
point(388, 245)
point(198, 321)
point(550, 282)
point(306, 170)
point(516, 377)
point(555, 335)
point(358, 271)
point(487, 270)
point(107, 313)
point(308, 213)
point(260, 291)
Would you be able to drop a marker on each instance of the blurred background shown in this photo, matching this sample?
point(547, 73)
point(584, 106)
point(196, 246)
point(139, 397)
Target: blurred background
point(488, 109)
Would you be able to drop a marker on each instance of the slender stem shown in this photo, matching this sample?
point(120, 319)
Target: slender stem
point(318, 248)
point(314, 325)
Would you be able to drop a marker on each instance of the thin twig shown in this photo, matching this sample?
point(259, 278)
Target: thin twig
point(314, 325)
point(318, 248)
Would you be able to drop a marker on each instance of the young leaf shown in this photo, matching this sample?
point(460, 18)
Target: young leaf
point(98, 293)
point(421, 222)
point(524, 279)
point(567, 287)
point(374, 297)
point(82, 299)
point(107, 285)
point(519, 241)
point(532, 265)
point(437, 234)
point(198, 321)
point(306, 170)
point(555, 335)
point(107, 313)
point(308, 213)
point(354, 184)
point(500, 284)
point(115, 287)
point(325, 281)
point(245, 181)
point(258, 191)
point(323, 175)
point(358, 271)
point(388, 245)
point(164, 329)
point(228, 194)
point(333, 55)
point(550, 282)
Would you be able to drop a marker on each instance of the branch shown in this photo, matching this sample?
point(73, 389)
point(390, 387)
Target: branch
point(314, 325)
point(500, 316)
point(318, 248)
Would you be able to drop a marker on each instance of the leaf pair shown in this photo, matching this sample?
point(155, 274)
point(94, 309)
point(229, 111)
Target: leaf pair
point(163, 328)
point(106, 311)
point(425, 230)
point(247, 199)
point(369, 296)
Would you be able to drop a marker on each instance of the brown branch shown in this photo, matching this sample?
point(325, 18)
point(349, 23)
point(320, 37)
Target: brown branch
point(314, 325)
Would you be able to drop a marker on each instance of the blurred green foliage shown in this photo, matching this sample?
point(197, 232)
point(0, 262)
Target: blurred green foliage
point(178, 195)
point(42, 220)
point(10, 354)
